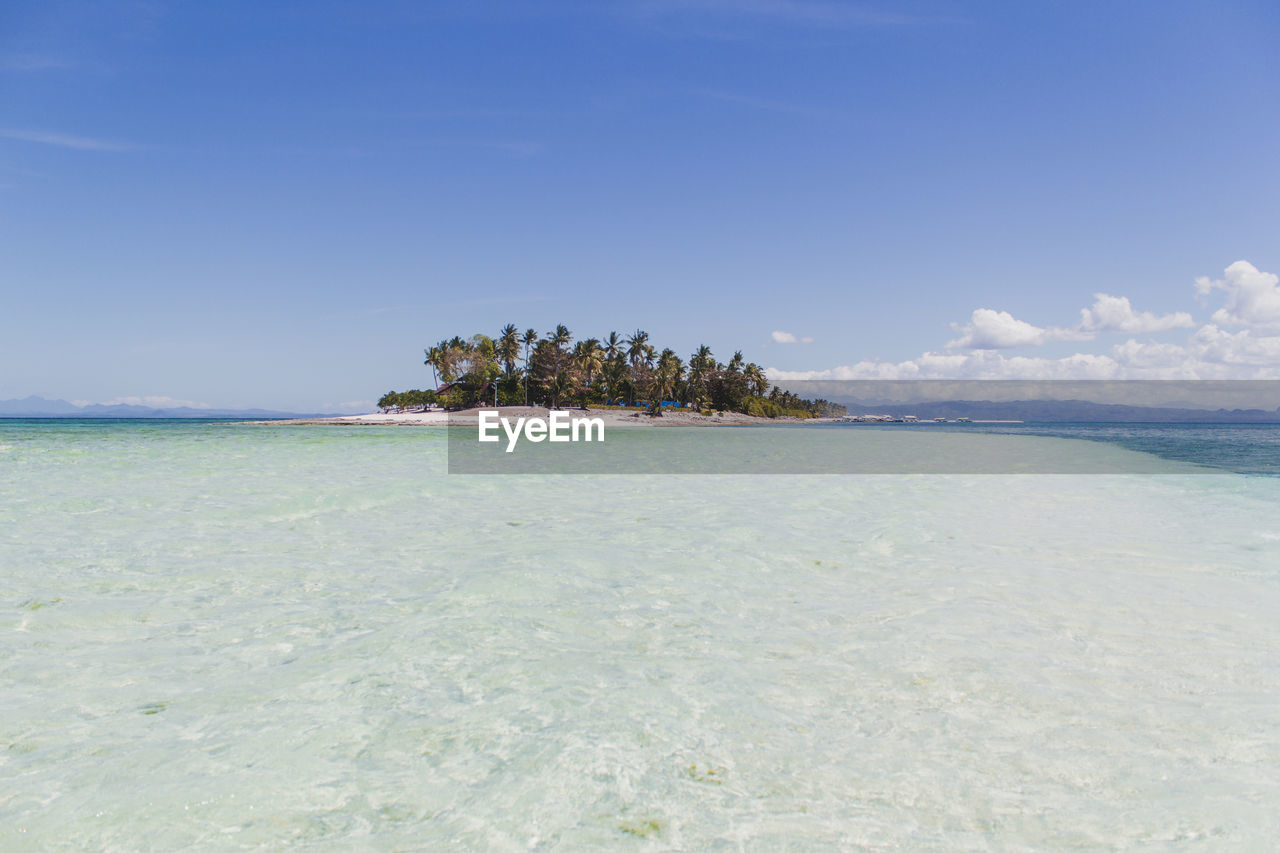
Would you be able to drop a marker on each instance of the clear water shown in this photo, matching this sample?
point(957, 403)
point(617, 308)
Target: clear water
point(243, 637)
point(1242, 448)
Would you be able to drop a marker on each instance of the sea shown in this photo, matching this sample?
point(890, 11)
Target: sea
point(229, 637)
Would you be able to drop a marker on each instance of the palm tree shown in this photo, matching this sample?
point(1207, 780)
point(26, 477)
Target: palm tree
point(481, 362)
point(586, 357)
point(557, 340)
point(452, 351)
point(701, 362)
point(612, 345)
point(668, 375)
point(636, 346)
point(755, 377)
point(529, 338)
point(701, 365)
point(735, 363)
point(508, 347)
point(560, 385)
point(615, 374)
point(433, 360)
point(443, 356)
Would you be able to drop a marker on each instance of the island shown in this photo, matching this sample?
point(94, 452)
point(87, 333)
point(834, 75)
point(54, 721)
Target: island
point(624, 376)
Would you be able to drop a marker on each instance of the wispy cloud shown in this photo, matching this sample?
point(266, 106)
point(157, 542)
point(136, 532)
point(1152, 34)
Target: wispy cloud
point(788, 338)
point(64, 140)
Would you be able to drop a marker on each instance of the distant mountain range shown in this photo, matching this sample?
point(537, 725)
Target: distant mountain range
point(39, 407)
point(1071, 411)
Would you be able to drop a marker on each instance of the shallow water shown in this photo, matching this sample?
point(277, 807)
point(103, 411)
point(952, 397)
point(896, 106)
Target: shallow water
point(1242, 448)
point(251, 636)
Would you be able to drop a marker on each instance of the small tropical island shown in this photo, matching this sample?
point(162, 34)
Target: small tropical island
point(553, 370)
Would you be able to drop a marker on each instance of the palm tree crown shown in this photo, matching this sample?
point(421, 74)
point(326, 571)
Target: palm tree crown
point(636, 345)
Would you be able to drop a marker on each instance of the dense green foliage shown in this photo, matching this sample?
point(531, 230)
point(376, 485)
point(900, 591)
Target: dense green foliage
point(407, 400)
point(525, 368)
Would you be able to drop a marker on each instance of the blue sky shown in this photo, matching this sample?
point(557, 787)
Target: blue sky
point(280, 205)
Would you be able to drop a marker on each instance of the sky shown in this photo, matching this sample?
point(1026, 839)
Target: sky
point(281, 204)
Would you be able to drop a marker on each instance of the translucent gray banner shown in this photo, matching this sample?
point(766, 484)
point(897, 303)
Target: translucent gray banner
point(897, 427)
point(1079, 401)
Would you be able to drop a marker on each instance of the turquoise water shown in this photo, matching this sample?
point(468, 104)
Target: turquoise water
point(241, 637)
point(1241, 448)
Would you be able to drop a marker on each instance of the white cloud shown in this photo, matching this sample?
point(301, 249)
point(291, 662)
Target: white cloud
point(1214, 345)
point(1253, 296)
point(980, 364)
point(1115, 314)
point(1168, 360)
point(1209, 352)
point(990, 329)
point(788, 338)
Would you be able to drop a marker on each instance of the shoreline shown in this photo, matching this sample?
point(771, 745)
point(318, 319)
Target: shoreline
point(611, 418)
